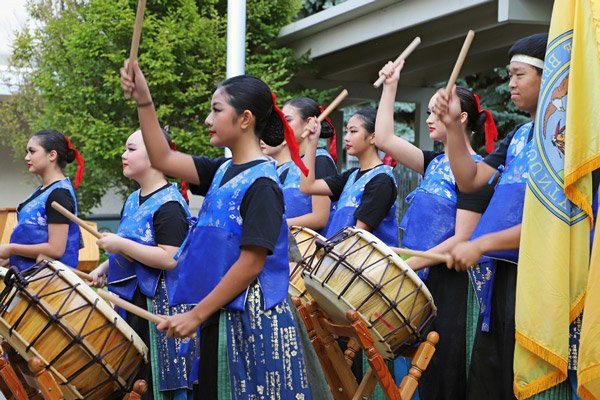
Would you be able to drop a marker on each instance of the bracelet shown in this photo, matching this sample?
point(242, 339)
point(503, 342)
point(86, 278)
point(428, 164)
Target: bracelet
point(145, 104)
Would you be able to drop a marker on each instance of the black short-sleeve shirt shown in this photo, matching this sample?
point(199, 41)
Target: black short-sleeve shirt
point(61, 196)
point(377, 199)
point(475, 201)
point(261, 208)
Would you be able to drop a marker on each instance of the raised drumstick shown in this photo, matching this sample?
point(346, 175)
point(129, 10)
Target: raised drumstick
point(80, 222)
point(328, 110)
point(403, 56)
point(135, 40)
point(424, 254)
point(459, 62)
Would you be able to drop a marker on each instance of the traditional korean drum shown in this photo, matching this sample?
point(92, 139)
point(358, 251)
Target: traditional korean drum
point(305, 239)
point(356, 271)
point(49, 312)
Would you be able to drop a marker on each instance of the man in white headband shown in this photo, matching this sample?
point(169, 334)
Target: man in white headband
point(498, 231)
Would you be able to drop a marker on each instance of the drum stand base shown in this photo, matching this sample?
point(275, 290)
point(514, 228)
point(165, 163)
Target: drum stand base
point(336, 365)
point(21, 380)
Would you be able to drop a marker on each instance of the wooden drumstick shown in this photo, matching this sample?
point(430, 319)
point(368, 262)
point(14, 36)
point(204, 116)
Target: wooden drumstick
point(80, 222)
point(459, 62)
point(132, 308)
point(135, 40)
point(424, 254)
point(403, 56)
point(328, 110)
point(81, 274)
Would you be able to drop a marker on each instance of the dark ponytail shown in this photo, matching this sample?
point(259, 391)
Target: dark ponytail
point(307, 108)
point(246, 92)
point(475, 118)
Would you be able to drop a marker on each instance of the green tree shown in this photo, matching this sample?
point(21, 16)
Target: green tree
point(69, 66)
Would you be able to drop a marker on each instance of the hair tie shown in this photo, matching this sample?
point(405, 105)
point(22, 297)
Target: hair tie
point(491, 133)
point(183, 183)
point(332, 144)
point(290, 139)
point(79, 159)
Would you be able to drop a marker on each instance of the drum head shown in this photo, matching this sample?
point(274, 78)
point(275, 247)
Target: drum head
point(359, 272)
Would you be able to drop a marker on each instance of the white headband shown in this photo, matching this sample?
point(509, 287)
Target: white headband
point(536, 62)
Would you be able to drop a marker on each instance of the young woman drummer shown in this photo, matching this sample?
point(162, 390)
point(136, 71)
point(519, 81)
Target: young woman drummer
point(154, 223)
point(303, 210)
point(439, 217)
point(366, 195)
point(234, 263)
point(41, 229)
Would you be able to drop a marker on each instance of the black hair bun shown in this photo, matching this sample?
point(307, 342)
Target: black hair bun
point(479, 121)
point(326, 130)
point(70, 156)
point(273, 131)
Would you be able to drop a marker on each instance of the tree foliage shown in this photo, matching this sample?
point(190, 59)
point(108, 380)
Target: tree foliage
point(69, 78)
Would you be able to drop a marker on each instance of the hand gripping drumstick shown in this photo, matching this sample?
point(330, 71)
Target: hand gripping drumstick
point(132, 308)
point(328, 110)
point(80, 222)
point(403, 56)
point(424, 254)
point(135, 40)
point(459, 62)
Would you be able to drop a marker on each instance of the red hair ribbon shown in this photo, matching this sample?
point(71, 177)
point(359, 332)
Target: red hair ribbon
point(388, 160)
point(332, 144)
point(491, 133)
point(290, 138)
point(183, 183)
point(80, 163)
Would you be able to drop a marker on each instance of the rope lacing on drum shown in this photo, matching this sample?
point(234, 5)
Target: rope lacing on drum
point(18, 280)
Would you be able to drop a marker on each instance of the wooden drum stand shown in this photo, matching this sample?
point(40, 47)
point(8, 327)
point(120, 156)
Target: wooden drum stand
point(336, 365)
point(21, 380)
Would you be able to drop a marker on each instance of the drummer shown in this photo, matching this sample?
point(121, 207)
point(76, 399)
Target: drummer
point(312, 212)
point(41, 229)
point(366, 195)
point(154, 223)
point(498, 232)
point(439, 217)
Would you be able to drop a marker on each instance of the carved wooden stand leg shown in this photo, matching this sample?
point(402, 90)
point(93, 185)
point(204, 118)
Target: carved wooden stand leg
point(10, 386)
point(45, 380)
point(22, 372)
point(139, 388)
point(337, 364)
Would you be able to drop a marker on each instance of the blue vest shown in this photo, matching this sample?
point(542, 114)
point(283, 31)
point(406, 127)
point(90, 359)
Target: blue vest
point(431, 217)
point(387, 231)
point(32, 228)
point(506, 207)
point(137, 225)
point(213, 244)
point(296, 202)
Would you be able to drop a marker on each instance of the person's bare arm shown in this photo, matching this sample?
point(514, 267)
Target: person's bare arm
point(399, 149)
point(162, 157)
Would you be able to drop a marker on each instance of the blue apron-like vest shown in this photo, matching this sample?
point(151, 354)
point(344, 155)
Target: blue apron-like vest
point(137, 225)
point(431, 217)
point(32, 228)
point(296, 202)
point(213, 244)
point(506, 207)
point(387, 231)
